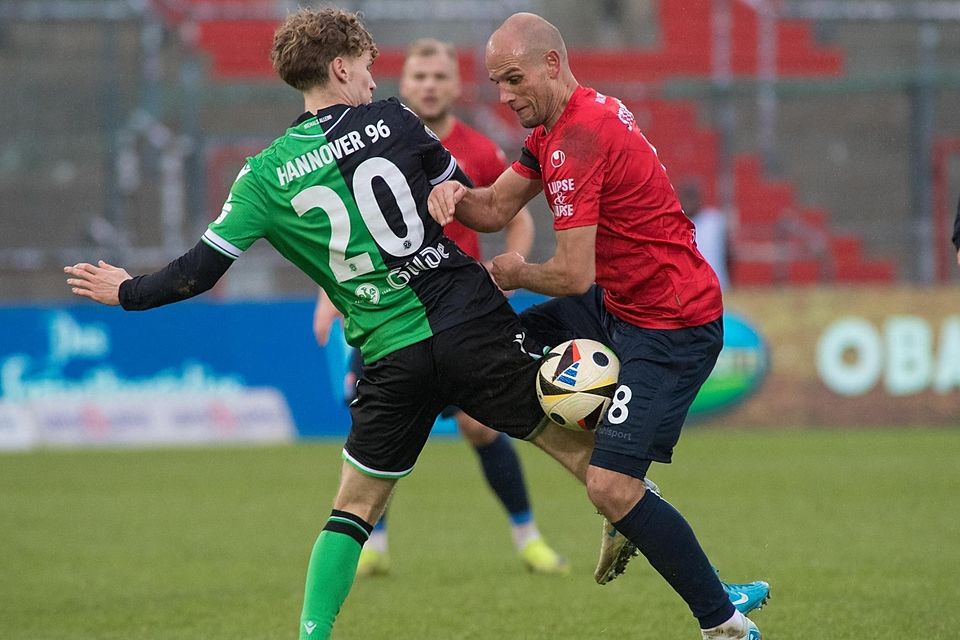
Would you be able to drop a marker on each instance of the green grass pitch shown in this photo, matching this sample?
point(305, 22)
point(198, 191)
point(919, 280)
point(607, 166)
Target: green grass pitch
point(858, 532)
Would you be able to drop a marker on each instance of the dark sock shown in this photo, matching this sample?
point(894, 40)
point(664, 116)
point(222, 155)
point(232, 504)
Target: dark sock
point(501, 466)
point(663, 536)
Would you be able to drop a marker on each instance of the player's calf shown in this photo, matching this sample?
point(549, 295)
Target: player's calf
point(615, 549)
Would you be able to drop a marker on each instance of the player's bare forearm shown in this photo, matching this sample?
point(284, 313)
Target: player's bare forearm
point(487, 209)
point(510, 271)
point(481, 210)
point(324, 313)
point(474, 208)
point(518, 236)
point(569, 272)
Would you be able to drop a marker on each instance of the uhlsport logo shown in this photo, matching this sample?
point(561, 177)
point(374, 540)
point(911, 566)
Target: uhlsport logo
point(740, 369)
point(558, 158)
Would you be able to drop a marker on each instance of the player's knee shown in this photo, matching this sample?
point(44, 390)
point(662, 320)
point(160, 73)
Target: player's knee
point(363, 496)
point(614, 494)
point(476, 433)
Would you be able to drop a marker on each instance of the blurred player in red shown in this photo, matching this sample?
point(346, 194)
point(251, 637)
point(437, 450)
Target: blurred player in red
point(429, 85)
point(626, 272)
point(956, 232)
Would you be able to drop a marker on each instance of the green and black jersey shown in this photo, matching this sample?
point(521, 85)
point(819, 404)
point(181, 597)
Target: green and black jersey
point(343, 195)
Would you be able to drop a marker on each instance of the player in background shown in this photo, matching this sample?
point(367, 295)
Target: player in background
point(429, 85)
point(333, 195)
point(711, 223)
point(627, 272)
point(956, 232)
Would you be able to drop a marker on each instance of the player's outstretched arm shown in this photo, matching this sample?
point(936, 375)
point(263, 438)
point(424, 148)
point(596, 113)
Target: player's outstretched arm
point(189, 275)
point(100, 282)
point(487, 209)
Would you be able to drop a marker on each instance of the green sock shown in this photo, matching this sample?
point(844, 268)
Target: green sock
point(330, 573)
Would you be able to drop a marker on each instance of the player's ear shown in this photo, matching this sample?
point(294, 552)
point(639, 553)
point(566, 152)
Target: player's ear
point(552, 60)
point(338, 69)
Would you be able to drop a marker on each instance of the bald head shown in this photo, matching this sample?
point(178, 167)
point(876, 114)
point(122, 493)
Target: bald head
point(527, 60)
point(528, 36)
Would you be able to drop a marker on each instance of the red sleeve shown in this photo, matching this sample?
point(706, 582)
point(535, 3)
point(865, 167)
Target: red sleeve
point(528, 165)
point(524, 172)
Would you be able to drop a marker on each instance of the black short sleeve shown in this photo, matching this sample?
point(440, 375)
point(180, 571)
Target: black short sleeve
point(438, 164)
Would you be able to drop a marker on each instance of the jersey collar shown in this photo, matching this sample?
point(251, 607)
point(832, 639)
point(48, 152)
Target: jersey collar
point(575, 98)
point(306, 115)
point(334, 110)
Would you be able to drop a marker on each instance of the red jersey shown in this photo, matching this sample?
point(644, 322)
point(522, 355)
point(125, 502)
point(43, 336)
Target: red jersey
point(483, 161)
point(598, 169)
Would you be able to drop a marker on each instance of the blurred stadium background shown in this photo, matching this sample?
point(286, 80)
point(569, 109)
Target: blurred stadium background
point(827, 131)
point(828, 134)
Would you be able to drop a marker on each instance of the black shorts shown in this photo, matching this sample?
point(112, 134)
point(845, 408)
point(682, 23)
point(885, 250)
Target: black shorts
point(480, 366)
point(356, 372)
point(661, 371)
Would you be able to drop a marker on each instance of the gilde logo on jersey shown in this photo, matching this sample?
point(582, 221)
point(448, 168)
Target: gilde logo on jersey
point(558, 158)
point(428, 258)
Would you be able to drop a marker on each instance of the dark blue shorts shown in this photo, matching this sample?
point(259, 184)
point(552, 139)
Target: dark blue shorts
point(661, 371)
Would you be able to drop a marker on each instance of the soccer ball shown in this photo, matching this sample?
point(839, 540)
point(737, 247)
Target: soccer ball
point(576, 383)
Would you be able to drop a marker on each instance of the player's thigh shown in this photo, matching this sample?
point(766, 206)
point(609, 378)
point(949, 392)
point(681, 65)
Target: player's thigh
point(484, 370)
point(474, 431)
point(362, 495)
point(661, 372)
point(397, 404)
point(696, 356)
point(564, 318)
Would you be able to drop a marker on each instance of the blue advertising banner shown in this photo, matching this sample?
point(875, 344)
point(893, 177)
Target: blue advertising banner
point(203, 372)
point(91, 354)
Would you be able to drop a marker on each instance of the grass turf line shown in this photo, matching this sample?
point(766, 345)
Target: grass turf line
point(856, 530)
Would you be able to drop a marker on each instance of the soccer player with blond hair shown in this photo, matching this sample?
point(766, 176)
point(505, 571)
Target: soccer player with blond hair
point(430, 85)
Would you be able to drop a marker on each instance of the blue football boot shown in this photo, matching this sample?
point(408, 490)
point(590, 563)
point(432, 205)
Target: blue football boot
point(749, 596)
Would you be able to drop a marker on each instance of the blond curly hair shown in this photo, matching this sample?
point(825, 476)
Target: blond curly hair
point(308, 41)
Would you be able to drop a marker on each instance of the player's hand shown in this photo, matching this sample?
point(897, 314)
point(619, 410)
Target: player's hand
point(506, 270)
point(323, 316)
point(443, 199)
point(100, 283)
point(488, 265)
